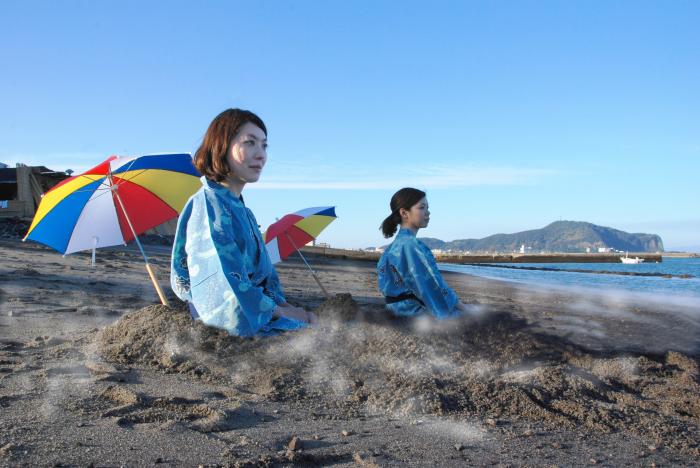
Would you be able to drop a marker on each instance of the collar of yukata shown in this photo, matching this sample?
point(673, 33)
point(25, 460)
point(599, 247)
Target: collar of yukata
point(221, 190)
point(405, 232)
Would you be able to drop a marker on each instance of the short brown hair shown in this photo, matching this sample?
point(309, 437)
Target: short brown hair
point(210, 158)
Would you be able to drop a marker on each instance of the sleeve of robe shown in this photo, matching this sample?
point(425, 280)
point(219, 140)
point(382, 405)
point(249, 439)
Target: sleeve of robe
point(421, 275)
point(273, 286)
point(208, 268)
point(179, 273)
point(246, 300)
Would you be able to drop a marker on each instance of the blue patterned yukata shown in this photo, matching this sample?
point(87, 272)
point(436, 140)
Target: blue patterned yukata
point(221, 268)
point(410, 280)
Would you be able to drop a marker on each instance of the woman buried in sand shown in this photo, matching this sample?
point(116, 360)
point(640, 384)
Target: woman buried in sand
point(220, 265)
point(407, 273)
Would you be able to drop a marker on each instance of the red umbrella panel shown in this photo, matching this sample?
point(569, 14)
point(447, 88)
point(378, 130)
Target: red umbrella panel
point(284, 232)
point(295, 230)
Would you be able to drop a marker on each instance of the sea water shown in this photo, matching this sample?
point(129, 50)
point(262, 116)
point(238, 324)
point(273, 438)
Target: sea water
point(677, 288)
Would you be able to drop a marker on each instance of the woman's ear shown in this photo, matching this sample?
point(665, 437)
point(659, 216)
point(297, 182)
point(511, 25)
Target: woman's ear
point(403, 212)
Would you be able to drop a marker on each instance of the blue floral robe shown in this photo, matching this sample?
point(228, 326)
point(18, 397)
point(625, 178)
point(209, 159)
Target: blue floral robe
point(221, 268)
point(408, 267)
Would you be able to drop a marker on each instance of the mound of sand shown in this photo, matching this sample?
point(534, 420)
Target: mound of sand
point(357, 361)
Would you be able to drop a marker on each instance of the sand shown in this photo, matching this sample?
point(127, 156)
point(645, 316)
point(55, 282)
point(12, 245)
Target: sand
point(92, 370)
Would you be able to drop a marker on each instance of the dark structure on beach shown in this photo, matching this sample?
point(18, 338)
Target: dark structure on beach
point(22, 187)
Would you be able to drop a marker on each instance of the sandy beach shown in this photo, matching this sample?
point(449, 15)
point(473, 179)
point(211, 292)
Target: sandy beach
point(94, 372)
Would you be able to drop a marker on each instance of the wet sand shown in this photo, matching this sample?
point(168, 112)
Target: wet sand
point(92, 370)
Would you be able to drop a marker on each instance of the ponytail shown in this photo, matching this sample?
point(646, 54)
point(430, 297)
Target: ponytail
point(404, 198)
point(390, 224)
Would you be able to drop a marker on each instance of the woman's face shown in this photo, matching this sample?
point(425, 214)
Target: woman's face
point(247, 155)
point(417, 217)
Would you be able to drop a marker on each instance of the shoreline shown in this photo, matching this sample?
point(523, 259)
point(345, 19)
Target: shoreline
point(574, 270)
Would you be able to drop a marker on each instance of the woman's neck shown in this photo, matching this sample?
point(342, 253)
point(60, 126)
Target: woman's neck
point(413, 229)
point(234, 186)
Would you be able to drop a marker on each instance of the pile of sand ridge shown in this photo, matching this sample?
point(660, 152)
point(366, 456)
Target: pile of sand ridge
point(357, 361)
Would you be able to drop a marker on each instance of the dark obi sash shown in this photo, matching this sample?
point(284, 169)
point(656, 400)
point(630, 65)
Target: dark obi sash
point(403, 297)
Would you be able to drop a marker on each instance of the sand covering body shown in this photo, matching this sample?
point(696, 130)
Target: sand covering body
point(357, 362)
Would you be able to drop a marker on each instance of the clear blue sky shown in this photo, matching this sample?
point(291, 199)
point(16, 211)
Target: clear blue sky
point(510, 114)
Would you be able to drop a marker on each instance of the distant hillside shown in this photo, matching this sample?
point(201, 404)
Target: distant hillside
point(560, 236)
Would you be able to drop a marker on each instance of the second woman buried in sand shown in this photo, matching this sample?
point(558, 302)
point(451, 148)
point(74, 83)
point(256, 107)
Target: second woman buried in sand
point(408, 276)
point(220, 265)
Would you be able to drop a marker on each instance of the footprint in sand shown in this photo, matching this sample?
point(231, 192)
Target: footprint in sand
point(10, 345)
point(135, 408)
point(7, 400)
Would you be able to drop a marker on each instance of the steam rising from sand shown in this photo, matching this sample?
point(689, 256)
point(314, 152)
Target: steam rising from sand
point(454, 431)
point(611, 302)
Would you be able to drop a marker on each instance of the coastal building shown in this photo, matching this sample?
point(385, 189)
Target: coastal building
point(604, 249)
point(22, 187)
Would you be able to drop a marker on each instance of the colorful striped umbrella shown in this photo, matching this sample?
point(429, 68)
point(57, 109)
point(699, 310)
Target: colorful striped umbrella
point(285, 236)
point(114, 202)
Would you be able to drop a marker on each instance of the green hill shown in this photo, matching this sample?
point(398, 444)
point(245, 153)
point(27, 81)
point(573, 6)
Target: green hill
point(560, 236)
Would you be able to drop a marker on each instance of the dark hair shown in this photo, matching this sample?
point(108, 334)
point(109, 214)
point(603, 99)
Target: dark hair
point(210, 158)
point(404, 198)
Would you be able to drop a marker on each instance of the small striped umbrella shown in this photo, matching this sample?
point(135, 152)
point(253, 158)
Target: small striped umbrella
point(285, 236)
point(114, 202)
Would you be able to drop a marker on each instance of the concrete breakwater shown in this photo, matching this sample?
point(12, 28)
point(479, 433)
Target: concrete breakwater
point(495, 258)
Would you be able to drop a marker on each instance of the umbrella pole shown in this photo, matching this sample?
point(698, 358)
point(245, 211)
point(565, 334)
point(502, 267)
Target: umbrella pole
point(94, 247)
point(163, 300)
point(313, 273)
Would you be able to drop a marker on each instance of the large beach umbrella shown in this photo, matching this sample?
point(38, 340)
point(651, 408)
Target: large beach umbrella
point(114, 202)
point(292, 231)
